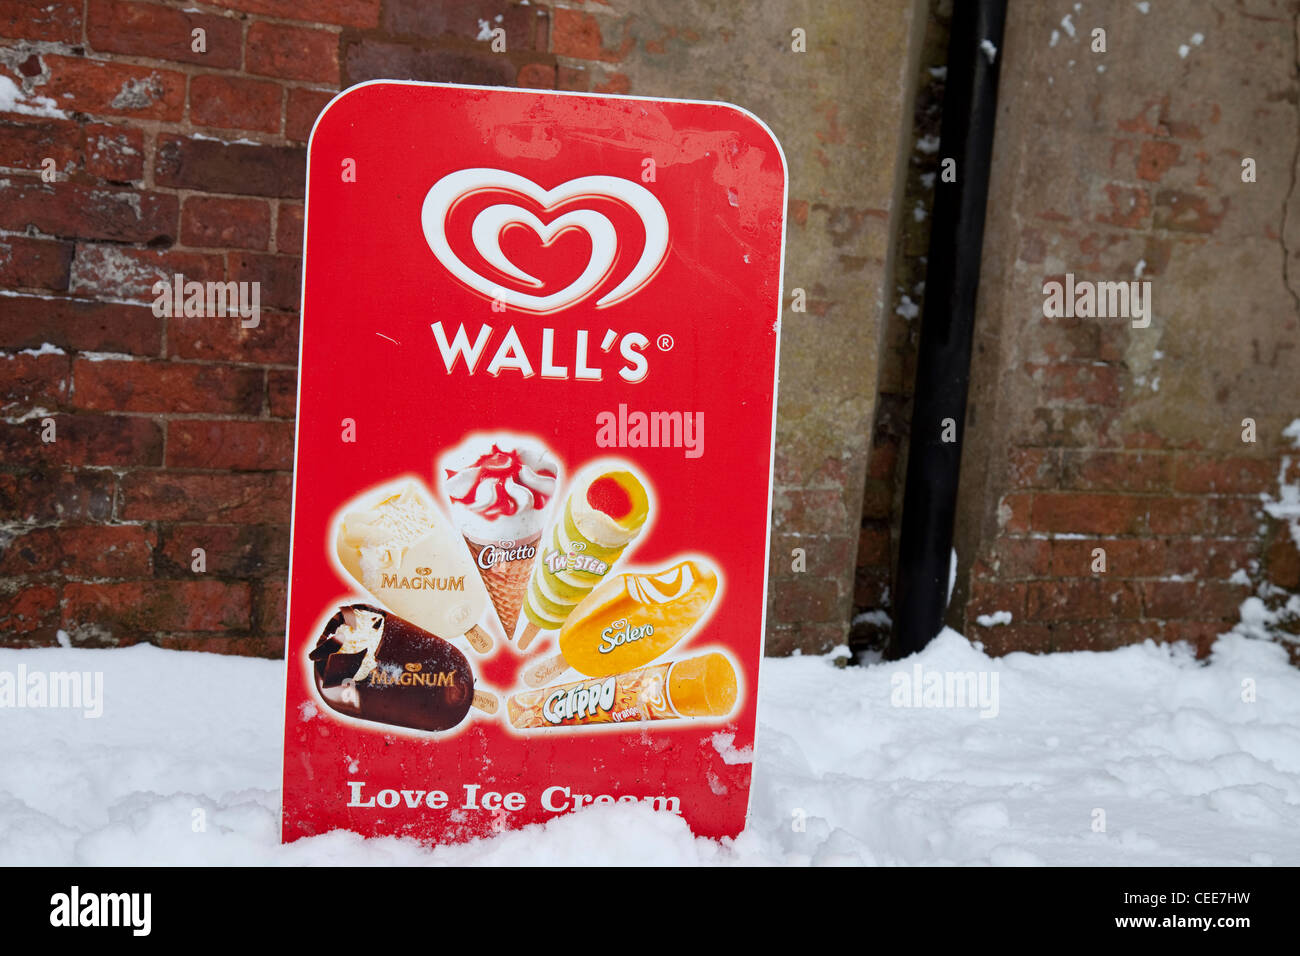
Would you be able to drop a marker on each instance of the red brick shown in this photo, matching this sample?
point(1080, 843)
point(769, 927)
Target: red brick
point(1010, 638)
point(303, 108)
point(1079, 383)
point(115, 153)
point(986, 597)
point(810, 511)
point(34, 263)
point(257, 645)
point(226, 223)
point(292, 53)
point(115, 89)
point(30, 321)
point(1195, 600)
point(69, 210)
point(1126, 206)
point(280, 277)
point(577, 34)
point(806, 599)
point(525, 26)
point(232, 102)
point(1021, 558)
point(58, 21)
point(1070, 636)
point(1081, 599)
point(1180, 211)
point(30, 380)
point(26, 144)
point(84, 440)
point(252, 497)
point(614, 83)
point(1014, 512)
point(883, 460)
point(1234, 517)
point(344, 13)
point(1200, 634)
point(1033, 467)
point(537, 76)
point(164, 33)
point(288, 228)
point(1225, 476)
point(228, 550)
point(131, 609)
point(572, 79)
point(1210, 558)
point(367, 58)
point(1156, 158)
point(273, 341)
point(30, 613)
point(877, 499)
point(870, 587)
point(80, 551)
point(119, 272)
point(1177, 516)
point(57, 496)
point(172, 387)
point(873, 545)
point(239, 446)
point(1087, 513)
point(270, 604)
point(1281, 560)
point(1115, 471)
point(216, 167)
point(1125, 557)
point(282, 390)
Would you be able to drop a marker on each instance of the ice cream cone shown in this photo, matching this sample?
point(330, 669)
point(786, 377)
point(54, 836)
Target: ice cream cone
point(506, 580)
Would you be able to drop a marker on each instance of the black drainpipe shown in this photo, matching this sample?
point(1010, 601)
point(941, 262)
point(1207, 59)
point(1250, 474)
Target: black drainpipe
point(943, 354)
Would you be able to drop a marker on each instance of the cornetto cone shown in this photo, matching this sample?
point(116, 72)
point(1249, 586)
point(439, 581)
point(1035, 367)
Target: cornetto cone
point(506, 582)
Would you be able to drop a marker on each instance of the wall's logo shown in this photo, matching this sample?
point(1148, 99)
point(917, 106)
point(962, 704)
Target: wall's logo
point(466, 214)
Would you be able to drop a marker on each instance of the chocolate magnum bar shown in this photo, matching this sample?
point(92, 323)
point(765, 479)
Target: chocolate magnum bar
point(374, 665)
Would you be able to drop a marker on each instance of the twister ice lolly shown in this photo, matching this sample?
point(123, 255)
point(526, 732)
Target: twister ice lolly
point(500, 488)
point(400, 551)
point(629, 621)
point(603, 513)
point(703, 686)
point(374, 666)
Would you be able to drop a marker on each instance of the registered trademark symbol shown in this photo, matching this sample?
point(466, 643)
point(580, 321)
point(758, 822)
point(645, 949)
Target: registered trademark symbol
point(665, 343)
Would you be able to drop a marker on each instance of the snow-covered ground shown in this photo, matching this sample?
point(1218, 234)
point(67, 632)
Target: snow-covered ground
point(1181, 762)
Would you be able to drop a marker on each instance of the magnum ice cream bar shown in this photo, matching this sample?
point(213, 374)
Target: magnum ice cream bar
point(604, 512)
point(703, 686)
point(373, 665)
point(629, 621)
point(500, 488)
point(403, 553)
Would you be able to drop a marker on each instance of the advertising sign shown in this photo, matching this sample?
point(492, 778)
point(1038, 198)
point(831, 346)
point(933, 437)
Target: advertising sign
point(534, 457)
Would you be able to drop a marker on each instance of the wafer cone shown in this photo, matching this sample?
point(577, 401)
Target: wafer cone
point(506, 582)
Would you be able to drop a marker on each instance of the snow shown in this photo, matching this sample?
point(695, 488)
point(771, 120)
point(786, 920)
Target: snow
point(990, 51)
point(1186, 771)
point(14, 100)
point(45, 349)
point(994, 619)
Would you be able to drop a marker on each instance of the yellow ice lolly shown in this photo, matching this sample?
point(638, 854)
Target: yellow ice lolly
point(630, 621)
point(401, 552)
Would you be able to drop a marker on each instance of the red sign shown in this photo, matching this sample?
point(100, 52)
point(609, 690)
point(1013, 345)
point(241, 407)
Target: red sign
point(530, 515)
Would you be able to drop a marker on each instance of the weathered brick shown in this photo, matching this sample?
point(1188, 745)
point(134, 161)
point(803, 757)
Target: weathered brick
point(69, 210)
point(115, 89)
point(42, 496)
point(1128, 207)
point(280, 277)
point(31, 321)
point(1103, 635)
point(1177, 516)
point(129, 610)
point(212, 166)
point(871, 586)
point(292, 53)
point(1194, 600)
point(1009, 638)
point(83, 440)
point(1156, 158)
point(282, 392)
point(1234, 517)
point(577, 34)
point(229, 550)
point(371, 59)
point(344, 13)
point(1084, 383)
point(1115, 471)
point(223, 222)
point(1014, 512)
point(234, 102)
point(1081, 599)
point(1125, 557)
point(1033, 467)
point(34, 380)
point(300, 114)
point(119, 272)
point(234, 445)
point(873, 545)
point(165, 33)
point(34, 263)
point(1014, 558)
point(30, 614)
point(80, 551)
point(171, 387)
point(270, 603)
point(810, 511)
point(1088, 513)
point(525, 26)
point(1180, 211)
point(1210, 558)
point(26, 144)
point(536, 76)
point(249, 497)
point(1200, 634)
point(1224, 476)
point(115, 153)
point(273, 341)
point(57, 22)
point(288, 228)
point(987, 597)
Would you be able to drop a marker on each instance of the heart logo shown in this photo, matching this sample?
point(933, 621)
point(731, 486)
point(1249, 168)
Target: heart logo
point(490, 221)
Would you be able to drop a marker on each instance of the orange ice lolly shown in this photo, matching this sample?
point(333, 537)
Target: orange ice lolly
point(629, 621)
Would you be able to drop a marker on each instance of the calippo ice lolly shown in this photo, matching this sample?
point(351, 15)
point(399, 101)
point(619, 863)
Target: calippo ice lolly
point(703, 686)
point(629, 621)
point(500, 488)
point(606, 509)
point(401, 552)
